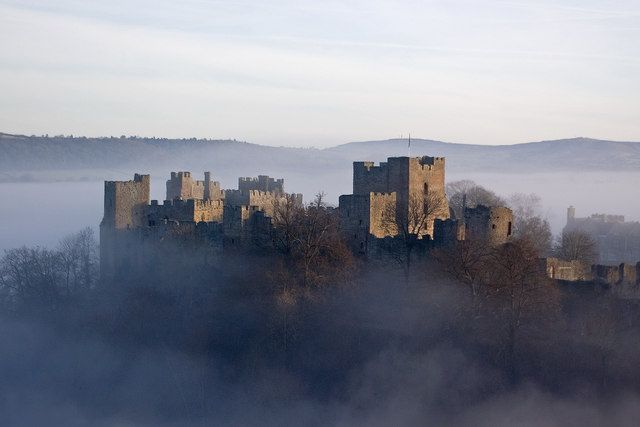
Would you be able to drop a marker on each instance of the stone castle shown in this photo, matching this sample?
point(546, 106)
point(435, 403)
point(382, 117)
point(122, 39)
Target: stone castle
point(616, 239)
point(406, 195)
point(193, 209)
point(400, 197)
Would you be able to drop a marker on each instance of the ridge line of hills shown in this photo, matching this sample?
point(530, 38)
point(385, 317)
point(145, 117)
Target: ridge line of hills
point(22, 156)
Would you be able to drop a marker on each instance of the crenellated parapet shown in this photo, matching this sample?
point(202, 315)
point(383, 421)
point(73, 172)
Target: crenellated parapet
point(181, 185)
point(261, 183)
point(124, 202)
point(191, 210)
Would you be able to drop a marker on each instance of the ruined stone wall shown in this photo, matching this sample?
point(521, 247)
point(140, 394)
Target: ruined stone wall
point(628, 274)
point(181, 185)
point(235, 221)
point(261, 183)
point(363, 217)
point(447, 232)
point(262, 200)
point(184, 210)
point(607, 274)
point(571, 271)
point(492, 224)
point(354, 211)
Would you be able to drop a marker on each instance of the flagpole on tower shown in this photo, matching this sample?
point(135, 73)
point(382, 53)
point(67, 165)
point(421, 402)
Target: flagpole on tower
point(409, 145)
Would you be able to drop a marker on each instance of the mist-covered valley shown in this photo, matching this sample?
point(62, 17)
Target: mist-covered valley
point(188, 335)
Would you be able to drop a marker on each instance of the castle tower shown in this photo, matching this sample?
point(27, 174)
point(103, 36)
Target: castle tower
point(417, 182)
point(571, 214)
point(125, 201)
point(492, 224)
point(124, 210)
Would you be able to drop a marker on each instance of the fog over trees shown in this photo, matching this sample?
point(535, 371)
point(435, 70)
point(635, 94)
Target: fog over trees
point(296, 330)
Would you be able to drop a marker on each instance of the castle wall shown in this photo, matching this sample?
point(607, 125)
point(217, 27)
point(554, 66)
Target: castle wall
point(607, 274)
point(181, 185)
point(184, 210)
point(571, 271)
point(368, 178)
point(261, 183)
point(354, 210)
point(124, 205)
point(124, 202)
point(447, 232)
point(363, 217)
point(492, 224)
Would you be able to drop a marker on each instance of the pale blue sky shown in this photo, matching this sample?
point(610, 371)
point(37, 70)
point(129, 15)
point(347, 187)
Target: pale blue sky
point(320, 73)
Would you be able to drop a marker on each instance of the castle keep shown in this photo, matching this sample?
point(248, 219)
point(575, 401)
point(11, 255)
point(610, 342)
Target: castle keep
point(405, 197)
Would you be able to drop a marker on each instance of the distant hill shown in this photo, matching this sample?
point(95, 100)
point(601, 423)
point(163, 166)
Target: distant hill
point(576, 154)
point(61, 158)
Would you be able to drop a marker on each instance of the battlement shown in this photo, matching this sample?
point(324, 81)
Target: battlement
point(124, 202)
point(189, 202)
point(180, 175)
point(429, 163)
point(190, 210)
point(369, 166)
point(261, 183)
point(182, 186)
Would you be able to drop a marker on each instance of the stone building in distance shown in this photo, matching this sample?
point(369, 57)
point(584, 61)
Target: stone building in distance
point(617, 240)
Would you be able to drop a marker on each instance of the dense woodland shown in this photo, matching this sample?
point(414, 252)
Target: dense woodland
point(297, 330)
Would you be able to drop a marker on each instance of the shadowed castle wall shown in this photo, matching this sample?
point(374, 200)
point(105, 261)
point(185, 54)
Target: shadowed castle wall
point(366, 216)
point(492, 224)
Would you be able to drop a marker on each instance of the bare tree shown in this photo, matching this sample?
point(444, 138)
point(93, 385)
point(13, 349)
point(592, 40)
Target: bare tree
point(466, 261)
point(30, 277)
point(510, 297)
point(311, 255)
point(286, 220)
point(473, 194)
point(411, 224)
point(576, 245)
point(310, 241)
point(521, 298)
point(79, 260)
point(529, 223)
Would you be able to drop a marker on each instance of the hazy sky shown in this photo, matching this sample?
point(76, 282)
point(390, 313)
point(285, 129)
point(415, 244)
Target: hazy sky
point(320, 73)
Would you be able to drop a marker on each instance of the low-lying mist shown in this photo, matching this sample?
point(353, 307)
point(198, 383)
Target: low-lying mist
point(184, 341)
